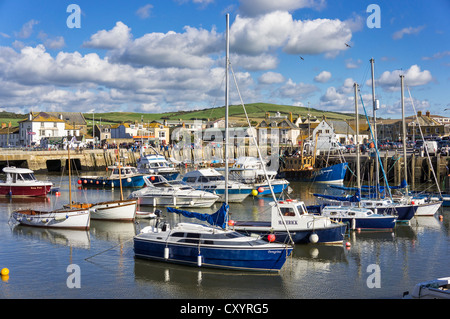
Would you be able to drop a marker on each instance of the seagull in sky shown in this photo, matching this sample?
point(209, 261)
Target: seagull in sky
point(302, 58)
point(347, 45)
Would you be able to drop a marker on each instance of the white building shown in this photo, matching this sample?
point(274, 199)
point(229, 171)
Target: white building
point(39, 125)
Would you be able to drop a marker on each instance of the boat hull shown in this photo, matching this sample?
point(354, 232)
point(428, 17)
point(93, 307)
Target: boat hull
point(115, 210)
point(264, 189)
point(61, 219)
point(22, 191)
point(333, 234)
point(99, 181)
point(428, 209)
point(333, 174)
point(378, 223)
point(264, 259)
point(176, 201)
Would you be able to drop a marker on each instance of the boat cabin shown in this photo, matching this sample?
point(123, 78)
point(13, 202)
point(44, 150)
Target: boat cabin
point(291, 209)
point(18, 175)
point(124, 171)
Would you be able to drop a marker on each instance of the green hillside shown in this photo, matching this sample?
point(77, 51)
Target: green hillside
point(255, 111)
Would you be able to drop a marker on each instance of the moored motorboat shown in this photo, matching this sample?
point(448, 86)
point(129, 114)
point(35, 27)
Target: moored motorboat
point(127, 176)
point(157, 164)
point(22, 182)
point(161, 192)
point(212, 181)
point(359, 217)
point(296, 222)
point(432, 289)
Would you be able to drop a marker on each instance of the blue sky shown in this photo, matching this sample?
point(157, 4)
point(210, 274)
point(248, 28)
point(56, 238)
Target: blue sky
point(168, 55)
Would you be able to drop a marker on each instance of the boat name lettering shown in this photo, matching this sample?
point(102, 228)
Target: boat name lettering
point(274, 251)
point(288, 222)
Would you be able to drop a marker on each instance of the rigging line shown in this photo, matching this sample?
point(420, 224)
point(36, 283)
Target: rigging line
point(376, 147)
point(260, 156)
point(426, 148)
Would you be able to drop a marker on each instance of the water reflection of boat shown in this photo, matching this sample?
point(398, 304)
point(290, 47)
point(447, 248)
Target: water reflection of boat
point(112, 230)
point(325, 253)
point(179, 279)
point(64, 237)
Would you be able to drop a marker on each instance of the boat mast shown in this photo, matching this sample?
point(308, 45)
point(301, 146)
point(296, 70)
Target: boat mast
point(70, 178)
point(404, 134)
point(226, 103)
point(357, 143)
point(375, 136)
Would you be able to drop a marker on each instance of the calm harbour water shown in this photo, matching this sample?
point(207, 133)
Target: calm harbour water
point(38, 258)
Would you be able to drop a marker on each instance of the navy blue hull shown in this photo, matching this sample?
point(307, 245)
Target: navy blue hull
point(135, 181)
point(329, 235)
point(385, 222)
point(269, 260)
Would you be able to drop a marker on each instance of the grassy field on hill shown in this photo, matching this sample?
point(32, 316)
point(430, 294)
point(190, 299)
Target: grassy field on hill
point(255, 111)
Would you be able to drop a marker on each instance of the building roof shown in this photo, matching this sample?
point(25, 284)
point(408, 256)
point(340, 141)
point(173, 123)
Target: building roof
point(41, 117)
point(76, 118)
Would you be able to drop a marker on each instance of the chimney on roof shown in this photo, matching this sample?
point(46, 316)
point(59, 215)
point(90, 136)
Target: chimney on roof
point(30, 116)
point(428, 113)
point(419, 113)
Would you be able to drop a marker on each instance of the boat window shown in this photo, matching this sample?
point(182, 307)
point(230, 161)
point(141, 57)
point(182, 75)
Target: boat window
point(28, 177)
point(193, 235)
point(189, 179)
point(351, 214)
point(177, 234)
point(203, 179)
point(379, 204)
point(301, 209)
point(287, 211)
point(369, 213)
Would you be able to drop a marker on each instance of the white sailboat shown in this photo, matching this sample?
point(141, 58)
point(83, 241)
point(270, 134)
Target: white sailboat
point(116, 210)
point(64, 218)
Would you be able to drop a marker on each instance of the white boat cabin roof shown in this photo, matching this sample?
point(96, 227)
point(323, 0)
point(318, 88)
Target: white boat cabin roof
point(15, 170)
point(203, 172)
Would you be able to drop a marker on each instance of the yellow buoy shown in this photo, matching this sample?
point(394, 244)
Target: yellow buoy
point(5, 272)
point(254, 192)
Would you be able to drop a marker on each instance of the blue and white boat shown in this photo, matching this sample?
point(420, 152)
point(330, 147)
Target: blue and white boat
point(293, 221)
point(128, 176)
point(359, 218)
point(209, 246)
point(212, 181)
point(249, 170)
point(157, 164)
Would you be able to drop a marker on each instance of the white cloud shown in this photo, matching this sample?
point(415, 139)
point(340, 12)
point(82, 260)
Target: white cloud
point(144, 12)
point(399, 34)
point(414, 76)
point(323, 77)
point(27, 29)
point(258, 7)
point(190, 49)
point(296, 91)
point(271, 78)
point(265, 33)
point(115, 38)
